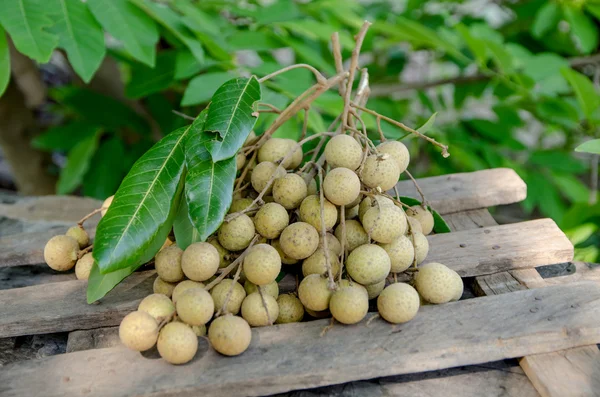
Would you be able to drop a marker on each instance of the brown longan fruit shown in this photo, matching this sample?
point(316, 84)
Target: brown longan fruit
point(289, 191)
point(240, 161)
point(219, 294)
point(333, 244)
point(355, 235)
point(106, 204)
point(177, 343)
point(349, 305)
point(316, 264)
point(384, 224)
point(79, 234)
point(254, 311)
point(271, 219)
point(262, 173)
point(398, 303)
point(200, 261)
point(83, 267)
point(240, 205)
point(183, 286)
point(314, 292)
point(421, 245)
point(262, 264)
point(229, 335)
point(343, 151)
point(275, 149)
point(299, 240)
point(236, 234)
point(284, 258)
point(158, 306)
point(310, 212)
point(401, 253)
point(61, 252)
point(380, 171)
point(373, 290)
point(195, 306)
point(341, 186)
point(138, 331)
point(224, 255)
point(424, 217)
point(311, 184)
point(398, 151)
point(368, 264)
point(270, 289)
point(290, 309)
point(161, 286)
point(168, 264)
point(438, 283)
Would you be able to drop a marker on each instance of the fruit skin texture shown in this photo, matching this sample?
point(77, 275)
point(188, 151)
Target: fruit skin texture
point(333, 244)
point(168, 264)
point(314, 293)
point(414, 224)
point(240, 160)
point(230, 335)
point(341, 186)
point(424, 217)
point(299, 240)
point(290, 309)
point(310, 212)
point(373, 290)
point(195, 306)
point(219, 294)
point(240, 205)
point(270, 220)
point(223, 253)
point(275, 149)
point(284, 258)
point(158, 306)
point(106, 204)
point(262, 173)
point(83, 267)
point(421, 246)
point(316, 263)
point(381, 171)
point(270, 289)
point(349, 305)
point(398, 303)
point(262, 264)
point(401, 253)
point(384, 224)
point(289, 191)
point(438, 283)
point(138, 331)
point(161, 286)
point(343, 151)
point(79, 234)
point(60, 252)
point(177, 343)
point(355, 235)
point(368, 264)
point(237, 234)
point(200, 261)
point(369, 202)
point(254, 312)
point(183, 286)
point(398, 151)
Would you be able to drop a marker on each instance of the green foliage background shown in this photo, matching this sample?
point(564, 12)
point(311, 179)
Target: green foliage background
point(513, 85)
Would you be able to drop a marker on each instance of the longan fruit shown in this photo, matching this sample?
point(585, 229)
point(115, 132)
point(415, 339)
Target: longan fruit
point(240, 205)
point(177, 343)
point(284, 258)
point(349, 305)
point(415, 225)
point(270, 220)
point(289, 191)
point(254, 311)
point(250, 139)
point(83, 267)
point(380, 171)
point(368, 264)
point(316, 264)
point(195, 306)
point(236, 234)
point(168, 264)
point(158, 306)
point(341, 186)
point(161, 286)
point(350, 213)
point(229, 335)
point(355, 235)
point(79, 234)
point(370, 202)
point(290, 309)
point(438, 283)
point(138, 331)
point(398, 151)
point(421, 245)
point(199, 330)
point(275, 149)
point(311, 184)
point(398, 303)
point(424, 217)
point(106, 204)
point(183, 286)
point(385, 223)
point(200, 261)
point(299, 240)
point(333, 244)
point(240, 161)
point(343, 151)
point(224, 255)
point(219, 294)
point(270, 289)
point(314, 292)
point(373, 290)
point(401, 253)
point(262, 173)
point(60, 253)
point(262, 264)
point(310, 212)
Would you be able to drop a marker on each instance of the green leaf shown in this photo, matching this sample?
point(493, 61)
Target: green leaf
point(583, 30)
point(428, 124)
point(206, 22)
point(4, 62)
point(201, 88)
point(475, 45)
point(64, 137)
point(500, 56)
point(161, 110)
point(592, 146)
point(278, 11)
point(79, 34)
point(557, 160)
point(101, 284)
point(141, 215)
point(545, 69)
point(316, 30)
point(185, 232)
point(106, 173)
point(571, 187)
point(546, 18)
point(146, 80)
point(78, 162)
point(309, 54)
point(25, 22)
point(588, 98)
point(251, 40)
point(581, 233)
point(128, 24)
point(231, 116)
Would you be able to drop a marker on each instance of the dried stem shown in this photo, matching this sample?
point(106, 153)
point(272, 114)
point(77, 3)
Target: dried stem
point(337, 57)
point(88, 216)
point(320, 78)
point(231, 266)
point(370, 320)
point(183, 115)
point(84, 251)
point(264, 302)
point(245, 171)
point(272, 107)
point(236, 276)
point(414, 181)
point(305, 123)
point(327, 328)
point(381, 134)
point(331, 285)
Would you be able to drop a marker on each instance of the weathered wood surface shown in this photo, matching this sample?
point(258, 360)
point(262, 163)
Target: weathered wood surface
point(66, 210)
point(496, 284)
point(584, 272)
point(28, 275)
point(292, 356)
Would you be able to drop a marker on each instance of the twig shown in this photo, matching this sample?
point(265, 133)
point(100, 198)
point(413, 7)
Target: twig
point(231, 266)
point(337, 57)
point(342, 253)
point(305, 123)
point(264, 302)
point(381, 134)
point(236, 276)
point(414, 181)
point(370, 320)
point(88, 216)
point(245, 171)
point(327, 328)
point(320, 78)
point(272, 107)
point(185, 116)
point(331, 285)
point(84, 251)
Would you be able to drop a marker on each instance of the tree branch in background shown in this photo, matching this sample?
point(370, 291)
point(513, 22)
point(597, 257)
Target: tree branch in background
point(28, 78)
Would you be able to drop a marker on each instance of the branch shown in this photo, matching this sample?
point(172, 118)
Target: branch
point(337, 56)
point(320, 78)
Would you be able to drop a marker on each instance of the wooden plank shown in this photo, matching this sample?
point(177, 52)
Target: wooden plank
point(584, 272)
point(496, 284)
point(292, 356)
point(88, 339)
point(25, 276)
point(473, 219)
point(66, 210)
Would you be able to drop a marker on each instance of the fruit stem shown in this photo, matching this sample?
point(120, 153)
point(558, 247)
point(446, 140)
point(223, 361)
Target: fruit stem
point(424, 202)
point(264, 302)
point(337, 57)
point(84, 251)
point(231, 266)
point(342, 253)
point(331, 284)
point(88, 216)
point(236, 277)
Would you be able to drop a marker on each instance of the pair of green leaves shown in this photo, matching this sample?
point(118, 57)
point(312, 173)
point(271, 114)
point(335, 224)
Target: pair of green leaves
point(184, 182)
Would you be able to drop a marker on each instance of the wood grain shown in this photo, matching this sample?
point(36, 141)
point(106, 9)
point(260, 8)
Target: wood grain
point(292, 356)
